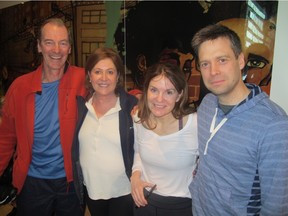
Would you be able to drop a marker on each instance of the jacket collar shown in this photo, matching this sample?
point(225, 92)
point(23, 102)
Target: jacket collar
point(36, 84)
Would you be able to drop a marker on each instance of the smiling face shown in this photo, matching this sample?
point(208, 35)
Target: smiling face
point(220, 69)
point(55, 47)
point(161, 96)
point(104, 77)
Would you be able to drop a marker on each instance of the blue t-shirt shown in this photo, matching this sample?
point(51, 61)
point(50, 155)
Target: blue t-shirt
point(47, 156)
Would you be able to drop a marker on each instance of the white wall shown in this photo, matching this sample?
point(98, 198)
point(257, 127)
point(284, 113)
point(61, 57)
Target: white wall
point(279, 84)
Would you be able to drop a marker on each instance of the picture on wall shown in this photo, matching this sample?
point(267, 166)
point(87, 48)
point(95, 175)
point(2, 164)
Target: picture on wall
point(154, 31)
point(143, 32)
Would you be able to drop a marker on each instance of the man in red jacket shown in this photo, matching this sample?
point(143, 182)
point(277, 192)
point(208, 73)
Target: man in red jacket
point(38, 121)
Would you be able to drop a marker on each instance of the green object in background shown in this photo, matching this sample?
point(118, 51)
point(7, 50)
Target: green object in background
point(113, 9)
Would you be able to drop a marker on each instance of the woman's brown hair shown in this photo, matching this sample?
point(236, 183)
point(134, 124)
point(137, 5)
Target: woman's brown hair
point(98, 55)
point(177, 78)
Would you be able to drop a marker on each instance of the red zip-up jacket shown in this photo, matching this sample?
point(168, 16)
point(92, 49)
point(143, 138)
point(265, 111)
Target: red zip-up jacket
point(17, 127)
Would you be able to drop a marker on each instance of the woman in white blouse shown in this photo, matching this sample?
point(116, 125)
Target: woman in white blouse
point(102, 151)
point(166, 145)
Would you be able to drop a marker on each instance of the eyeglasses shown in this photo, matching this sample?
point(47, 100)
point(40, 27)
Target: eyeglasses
point(150, 192)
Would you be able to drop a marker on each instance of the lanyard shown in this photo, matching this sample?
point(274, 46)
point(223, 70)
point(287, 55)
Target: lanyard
point(213, 129)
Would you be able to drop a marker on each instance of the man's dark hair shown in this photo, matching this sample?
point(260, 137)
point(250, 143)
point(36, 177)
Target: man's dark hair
point(55, 21)
point(212, 32)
